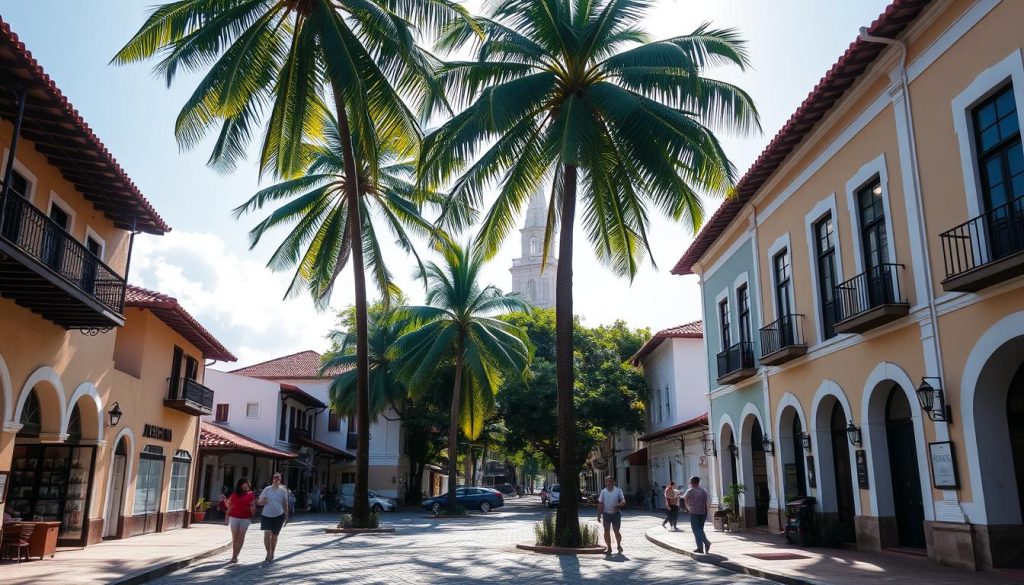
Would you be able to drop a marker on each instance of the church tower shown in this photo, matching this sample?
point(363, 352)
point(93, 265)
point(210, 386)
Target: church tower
point(527, 279)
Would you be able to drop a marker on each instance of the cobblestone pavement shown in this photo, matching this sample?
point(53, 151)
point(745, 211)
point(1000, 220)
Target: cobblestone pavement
point(468, 551)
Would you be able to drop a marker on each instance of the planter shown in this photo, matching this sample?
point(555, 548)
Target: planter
point(561, 550)
point(359, 530)
point(198, 516)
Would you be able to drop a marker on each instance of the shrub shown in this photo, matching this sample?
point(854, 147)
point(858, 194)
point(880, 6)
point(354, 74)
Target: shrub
point(346, 521)
point(459, 510)
point(545, 532)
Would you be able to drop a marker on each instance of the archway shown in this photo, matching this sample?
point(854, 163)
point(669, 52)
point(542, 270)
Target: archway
point(843, 478)
point(790, 452)
point(833, 467)
point(905, 480)
point(1015, 422)
point(90, 410)
point(758, 487)
point(117, 487)
point(727, 460)
point(46, 391)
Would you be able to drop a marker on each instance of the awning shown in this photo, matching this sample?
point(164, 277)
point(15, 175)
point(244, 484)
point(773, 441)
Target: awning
point(638, 457)
point(693, 423)
point(213, 438)
point(325, 449)
point(301, 396)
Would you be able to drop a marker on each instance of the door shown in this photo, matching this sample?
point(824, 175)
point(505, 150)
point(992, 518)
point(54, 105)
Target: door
point(842, 474)
point(875, 243)
point(1015, 420)
point(906, 482)
point(90, 264)
point(148, 488)
point(760, 464)
point(1000, 161)
point(53, 238)
point(176, 389)
point(110, 523)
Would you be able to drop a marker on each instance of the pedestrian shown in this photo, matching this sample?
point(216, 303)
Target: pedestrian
point(241, 507)
point(274, 499)
point(672, 502)
point(314, 497)
point(654, 496)
point(696, 500)
point(291, 500)
point(609, 512)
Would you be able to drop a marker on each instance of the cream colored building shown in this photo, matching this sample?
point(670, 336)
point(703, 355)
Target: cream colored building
point(884, 226)
point(100, 382)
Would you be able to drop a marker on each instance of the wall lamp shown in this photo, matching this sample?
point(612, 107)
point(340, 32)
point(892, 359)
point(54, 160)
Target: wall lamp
point(707, 442)
point(769, 447)
point(115, 414)
point(933, 400)
point(733, 449)
point(853, 432)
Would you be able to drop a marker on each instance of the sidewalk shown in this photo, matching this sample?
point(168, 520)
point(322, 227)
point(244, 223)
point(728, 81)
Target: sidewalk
point(818, 565)
point(128, 561)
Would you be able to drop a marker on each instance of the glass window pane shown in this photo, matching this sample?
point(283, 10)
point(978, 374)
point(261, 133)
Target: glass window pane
point(984, 117)
point(1008, 126)
point(989, 138)
point(1004, 103)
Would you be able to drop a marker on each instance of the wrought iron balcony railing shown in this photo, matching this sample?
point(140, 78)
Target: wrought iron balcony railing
point(736, 362)
point(783, 340)
point(985, 250)
point(870, 299)
point(189, 396)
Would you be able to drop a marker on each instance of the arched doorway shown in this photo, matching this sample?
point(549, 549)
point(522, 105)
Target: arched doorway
point(118, 474)
point(759, 475)
point(843, 477)
point(1015, 422)
point(791, 454)
point(906, 482)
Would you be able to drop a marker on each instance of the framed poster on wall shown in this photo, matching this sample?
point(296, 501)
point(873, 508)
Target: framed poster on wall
point(943, 461)
point(3, 485)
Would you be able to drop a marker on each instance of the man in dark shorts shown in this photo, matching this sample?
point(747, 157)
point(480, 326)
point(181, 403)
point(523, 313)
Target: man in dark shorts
point(274, 499)
point(609, 511)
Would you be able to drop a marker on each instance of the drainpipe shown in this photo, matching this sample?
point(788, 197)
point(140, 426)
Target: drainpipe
point(941, 428)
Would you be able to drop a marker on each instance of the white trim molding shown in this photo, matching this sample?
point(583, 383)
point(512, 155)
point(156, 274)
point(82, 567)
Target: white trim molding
point(781, 243)
point(52, 379)
point(57, 200)
point(6, 393)
point(826, 206)
point(86, 389)
point(863, 176)
point(91, 233)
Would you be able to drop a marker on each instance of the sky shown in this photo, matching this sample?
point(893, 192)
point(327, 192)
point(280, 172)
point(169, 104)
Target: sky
point(206, 262)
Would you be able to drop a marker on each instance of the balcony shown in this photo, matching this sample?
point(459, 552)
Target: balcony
point(299, 434)
point(45, 270)
point(189, 397)
point(783, 340)
point(736, 363)
point(870, 299)
point(986, 250)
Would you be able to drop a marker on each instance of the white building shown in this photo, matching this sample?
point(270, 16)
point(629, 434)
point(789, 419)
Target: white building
point(528, 278)
point(675, 368)
point(282, 403)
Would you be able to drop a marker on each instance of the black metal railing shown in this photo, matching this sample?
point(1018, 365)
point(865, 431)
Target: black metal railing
point(190, 391)
point(782, 333)
point(873, 288)
point(352, 441)
point(991, 236)
point(37, 235)
point(739, 356)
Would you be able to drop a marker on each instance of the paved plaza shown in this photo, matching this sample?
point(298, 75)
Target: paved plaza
point(467, 551)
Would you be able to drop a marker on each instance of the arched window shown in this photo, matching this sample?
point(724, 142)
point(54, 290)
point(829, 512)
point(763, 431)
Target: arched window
point(534, 248)
point(31, 415)
point(531, 291)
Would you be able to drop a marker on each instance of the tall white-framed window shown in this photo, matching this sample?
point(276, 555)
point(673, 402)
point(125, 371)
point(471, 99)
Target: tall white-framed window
point(867, 196)
point(23, 181)
point(826, 263)
point(724, 320)
point(178, 487)
point(95, 244)
point(61, 212)
point(780, 270)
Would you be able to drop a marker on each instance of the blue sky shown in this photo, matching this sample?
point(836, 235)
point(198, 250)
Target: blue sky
point(205, 262)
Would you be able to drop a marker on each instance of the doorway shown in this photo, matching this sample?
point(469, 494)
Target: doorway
point(759, 468)
point(117, 486)
point(842, 474)
point(906, 482)
point(1015, 420)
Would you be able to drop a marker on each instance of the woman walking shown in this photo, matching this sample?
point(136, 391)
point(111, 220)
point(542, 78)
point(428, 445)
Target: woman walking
point(241, 507)
point(274, 500)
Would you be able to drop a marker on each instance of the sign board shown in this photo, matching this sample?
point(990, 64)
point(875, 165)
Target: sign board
point(155, 432)
point(812, 479)
point(943, 465)
point(862, 469)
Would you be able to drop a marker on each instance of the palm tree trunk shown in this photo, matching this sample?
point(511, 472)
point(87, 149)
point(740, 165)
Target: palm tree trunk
point(453, 432)
point(361, 496)
point(567, 521)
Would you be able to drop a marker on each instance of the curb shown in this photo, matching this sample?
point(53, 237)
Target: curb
point(725, 563)
point(359, 530)
point(168, 567)
point(562, 550)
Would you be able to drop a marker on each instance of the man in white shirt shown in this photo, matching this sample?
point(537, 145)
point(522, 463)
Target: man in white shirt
point(609, 505)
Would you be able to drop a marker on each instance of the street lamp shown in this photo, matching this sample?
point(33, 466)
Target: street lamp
point(853, 432)
point(115, 414)
point(733, 449)
point(769, 448)
point(933, 400)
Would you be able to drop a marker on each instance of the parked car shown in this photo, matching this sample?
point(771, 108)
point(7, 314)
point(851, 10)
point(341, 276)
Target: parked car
point(378, 503)
point(479, 498)
point(553, 494)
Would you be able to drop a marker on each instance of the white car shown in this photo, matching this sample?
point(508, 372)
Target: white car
point(553, 493)
point(378, 503)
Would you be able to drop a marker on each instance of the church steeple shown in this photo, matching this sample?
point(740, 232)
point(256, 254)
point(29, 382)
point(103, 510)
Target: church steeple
point(527, 278)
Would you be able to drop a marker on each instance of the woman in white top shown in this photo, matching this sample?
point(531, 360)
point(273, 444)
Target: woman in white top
point(274, 499)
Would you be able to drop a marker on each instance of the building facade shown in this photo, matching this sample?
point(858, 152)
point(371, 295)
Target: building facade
point(532, 276)
point(884, 223)
point(100, 382)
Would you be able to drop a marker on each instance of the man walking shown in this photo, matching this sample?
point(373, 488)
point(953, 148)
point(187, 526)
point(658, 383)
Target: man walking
point(609, 511)
point(672, 502)
point(696, 500)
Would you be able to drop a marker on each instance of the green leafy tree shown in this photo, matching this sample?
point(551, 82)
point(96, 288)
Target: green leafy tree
point(458, 323)
point(576, 92)
point(289, 61)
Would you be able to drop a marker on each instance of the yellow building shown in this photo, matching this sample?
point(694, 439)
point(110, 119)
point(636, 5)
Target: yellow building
point(100, 391)
point(879, 240)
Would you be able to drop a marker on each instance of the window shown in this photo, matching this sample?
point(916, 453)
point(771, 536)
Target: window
point(825, 252)
point(282, 430)
point(743, 301)
point(333, 422)
point(723, 323)
point(147, 485)
point(179, 481)
point(20, 185)
point(656, 411)
point(222, 413)
point(668, 404)
point(534, 248)
point(874, 242)
point(783, 284)
point(252, 410)
point(1001, 166)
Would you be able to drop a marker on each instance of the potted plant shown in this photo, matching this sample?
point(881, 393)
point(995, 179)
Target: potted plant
point(732, 500)
point(199, 510)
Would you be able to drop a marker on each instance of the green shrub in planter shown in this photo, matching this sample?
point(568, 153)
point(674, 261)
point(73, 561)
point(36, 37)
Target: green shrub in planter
point(346, 521)
point(459, 510)
point(545, 532)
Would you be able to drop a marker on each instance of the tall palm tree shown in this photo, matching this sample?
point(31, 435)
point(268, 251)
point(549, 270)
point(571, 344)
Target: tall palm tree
point(294, 59)
point(459, 324)
point(574, 92)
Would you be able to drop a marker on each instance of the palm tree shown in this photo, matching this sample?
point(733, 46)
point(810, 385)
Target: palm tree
point(459, 324)
point(575, 93)
point(292, 58)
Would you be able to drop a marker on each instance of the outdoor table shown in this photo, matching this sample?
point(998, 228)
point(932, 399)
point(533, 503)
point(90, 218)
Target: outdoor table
point(43, 541)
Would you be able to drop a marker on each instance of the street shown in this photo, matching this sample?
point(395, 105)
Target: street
point(423, 550)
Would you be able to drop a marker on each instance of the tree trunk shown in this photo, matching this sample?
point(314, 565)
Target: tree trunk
point(361, 496)
point(567, 521)
point(483, 462)
point(453, 432)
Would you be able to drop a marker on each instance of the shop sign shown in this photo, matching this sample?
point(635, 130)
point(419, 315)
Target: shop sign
point(862, 469)
point(155, 432)
point(943, 465)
